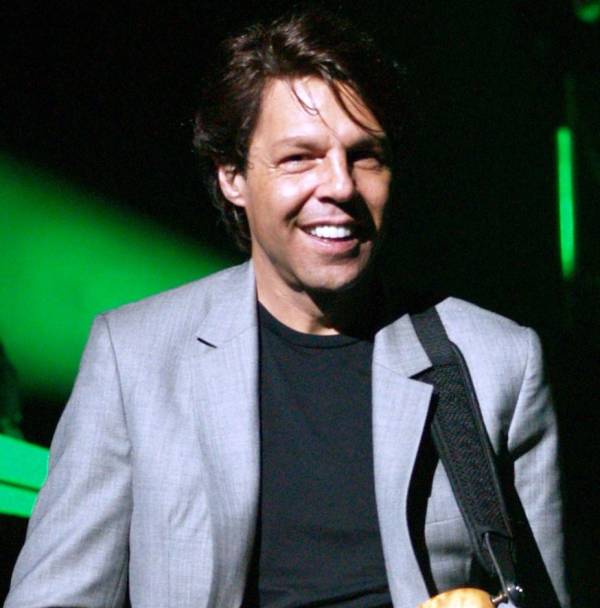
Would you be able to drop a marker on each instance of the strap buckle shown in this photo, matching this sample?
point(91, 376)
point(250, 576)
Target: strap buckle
point(498, 547)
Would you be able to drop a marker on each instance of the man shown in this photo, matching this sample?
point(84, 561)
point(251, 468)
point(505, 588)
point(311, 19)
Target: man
point(251, 439)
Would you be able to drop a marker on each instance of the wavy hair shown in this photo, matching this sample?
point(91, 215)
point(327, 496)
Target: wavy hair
point(308, 43)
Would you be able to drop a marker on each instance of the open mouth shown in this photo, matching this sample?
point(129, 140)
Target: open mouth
point(329, 232)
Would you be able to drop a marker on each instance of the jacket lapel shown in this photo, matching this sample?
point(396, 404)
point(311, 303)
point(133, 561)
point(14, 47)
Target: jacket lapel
point(400, 408)
point(225, 393)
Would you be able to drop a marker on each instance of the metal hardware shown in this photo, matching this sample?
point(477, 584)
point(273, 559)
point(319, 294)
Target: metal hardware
point(514, 594)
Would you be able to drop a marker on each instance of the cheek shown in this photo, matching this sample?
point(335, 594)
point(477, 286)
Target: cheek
point(376, 197)
point(293, 190)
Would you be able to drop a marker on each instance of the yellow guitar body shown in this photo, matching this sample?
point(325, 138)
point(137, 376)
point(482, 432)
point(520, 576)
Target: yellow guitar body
point(466, 597)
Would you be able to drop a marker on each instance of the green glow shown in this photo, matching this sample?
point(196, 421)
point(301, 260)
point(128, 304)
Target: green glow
point(566, 201)
point(68, 255)
point(22, 463)
point(589, 11)
point(16, 501)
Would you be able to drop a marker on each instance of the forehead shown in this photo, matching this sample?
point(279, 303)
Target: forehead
point(308, 106)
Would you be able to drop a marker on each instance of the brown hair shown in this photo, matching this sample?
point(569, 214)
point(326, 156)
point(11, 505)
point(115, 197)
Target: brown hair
point(303, 44)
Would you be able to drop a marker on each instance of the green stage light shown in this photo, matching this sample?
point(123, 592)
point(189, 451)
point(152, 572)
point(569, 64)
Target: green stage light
point(23, 470)
point(588, 11)
point(566, 201)
point(68, 255)
point(22, 463)
point(16, 501)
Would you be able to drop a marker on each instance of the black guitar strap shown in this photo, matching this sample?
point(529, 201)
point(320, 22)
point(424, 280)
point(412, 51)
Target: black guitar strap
point(464, 448)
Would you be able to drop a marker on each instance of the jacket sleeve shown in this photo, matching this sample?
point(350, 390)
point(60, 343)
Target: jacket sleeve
point(76, 551)
point(533, 445)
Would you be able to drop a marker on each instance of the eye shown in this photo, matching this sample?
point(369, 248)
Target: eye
point(297, 162)
point(367, 159)
point(295, 158)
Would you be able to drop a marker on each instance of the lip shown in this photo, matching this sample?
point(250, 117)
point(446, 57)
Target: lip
point(355, 227)
point(329, 222)
point(330, 246)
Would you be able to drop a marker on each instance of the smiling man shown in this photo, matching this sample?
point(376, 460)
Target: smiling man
point(314, 195)
point(255, 438)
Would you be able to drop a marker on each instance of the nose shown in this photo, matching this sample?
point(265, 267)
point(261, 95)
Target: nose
point(337, 183)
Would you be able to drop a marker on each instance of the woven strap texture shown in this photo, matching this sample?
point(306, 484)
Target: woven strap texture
point(463, 446)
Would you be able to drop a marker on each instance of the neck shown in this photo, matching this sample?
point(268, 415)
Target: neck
point(353, 311)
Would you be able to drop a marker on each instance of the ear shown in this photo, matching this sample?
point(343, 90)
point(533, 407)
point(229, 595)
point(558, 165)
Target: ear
point(232, 184)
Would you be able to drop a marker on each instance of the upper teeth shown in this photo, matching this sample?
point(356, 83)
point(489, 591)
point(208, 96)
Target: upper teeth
point(331, 232)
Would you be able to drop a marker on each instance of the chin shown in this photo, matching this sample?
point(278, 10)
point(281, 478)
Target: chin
point(338, 283)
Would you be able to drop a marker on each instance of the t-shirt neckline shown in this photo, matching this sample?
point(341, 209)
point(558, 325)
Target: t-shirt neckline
point(268, 322)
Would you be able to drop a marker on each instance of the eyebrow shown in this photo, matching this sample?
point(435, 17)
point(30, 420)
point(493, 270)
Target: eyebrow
point(302, 141)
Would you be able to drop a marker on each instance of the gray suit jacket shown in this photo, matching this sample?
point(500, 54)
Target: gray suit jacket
point(154, 472)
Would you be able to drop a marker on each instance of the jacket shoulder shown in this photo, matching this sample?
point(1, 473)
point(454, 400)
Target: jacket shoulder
point(492, 344)
point(180, 308)
point(465, 318)
point(497, 350)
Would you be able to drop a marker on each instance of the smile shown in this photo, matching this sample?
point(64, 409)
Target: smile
point(331, 232)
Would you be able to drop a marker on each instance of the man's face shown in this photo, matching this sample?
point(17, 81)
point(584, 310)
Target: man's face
point(315, 188)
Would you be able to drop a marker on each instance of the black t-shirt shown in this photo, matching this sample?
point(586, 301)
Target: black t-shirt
point(318, 540)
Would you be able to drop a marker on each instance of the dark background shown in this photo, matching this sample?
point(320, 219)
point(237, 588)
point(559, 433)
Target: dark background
point(103, 95)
